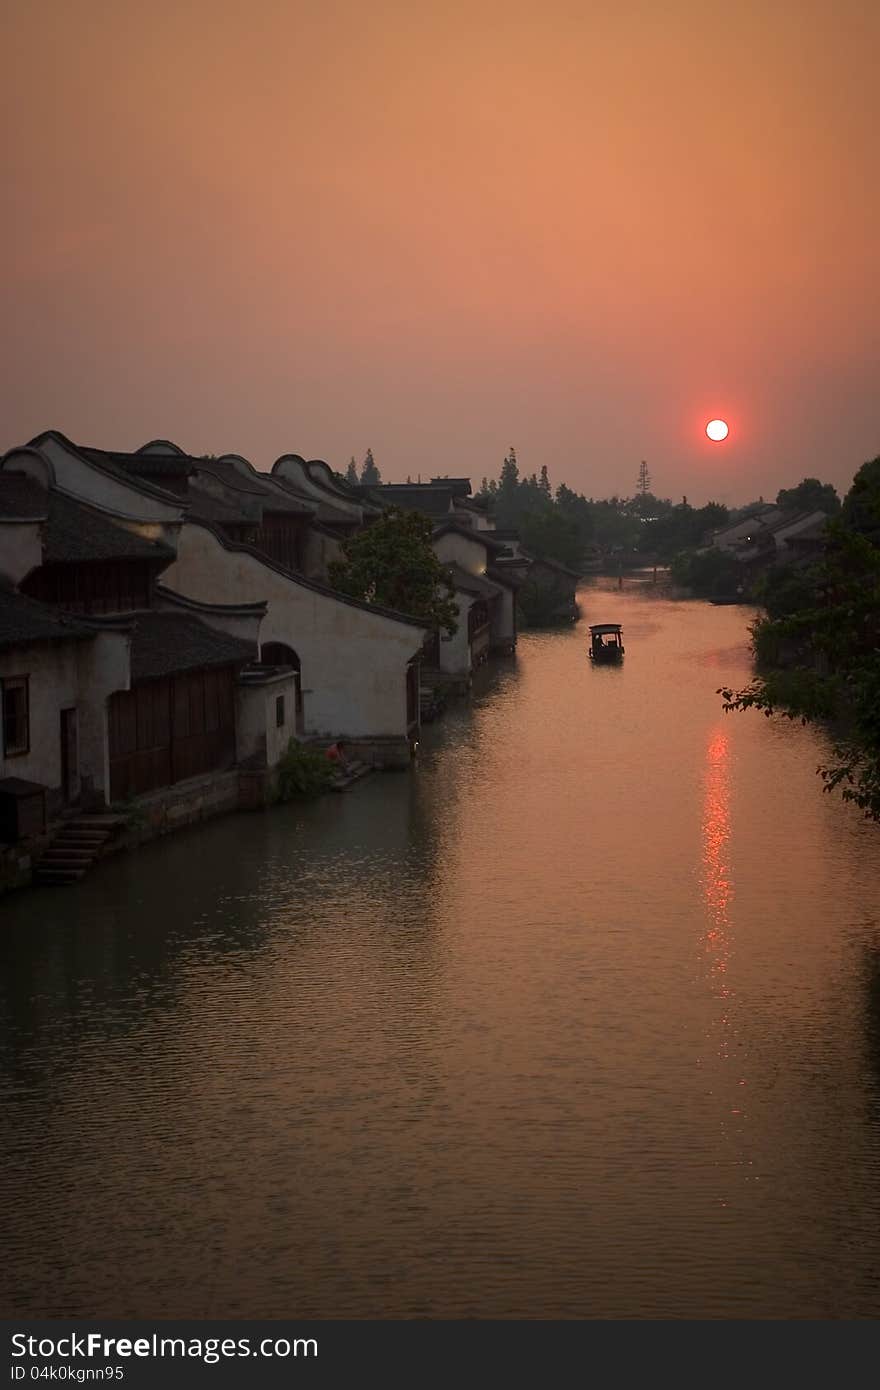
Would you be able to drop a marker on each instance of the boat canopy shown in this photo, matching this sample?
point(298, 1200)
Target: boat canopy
point(604, 627)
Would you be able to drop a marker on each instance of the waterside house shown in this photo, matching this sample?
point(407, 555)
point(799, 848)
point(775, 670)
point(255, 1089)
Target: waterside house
point(485, 591)
point(773, 537)
point(113, 688)
point(792, 538)
point(745, 532)
point(160, 642)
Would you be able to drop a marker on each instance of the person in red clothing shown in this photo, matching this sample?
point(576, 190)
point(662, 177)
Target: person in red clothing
point(336, 754)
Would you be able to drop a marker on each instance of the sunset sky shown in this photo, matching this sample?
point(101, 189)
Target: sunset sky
point(437, 230)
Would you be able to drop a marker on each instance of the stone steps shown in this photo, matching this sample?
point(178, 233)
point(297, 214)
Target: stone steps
point(354, 771)
point(61, 854)
point(75, 848)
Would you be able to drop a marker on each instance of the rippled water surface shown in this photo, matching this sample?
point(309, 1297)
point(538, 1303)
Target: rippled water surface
point(582, 1018)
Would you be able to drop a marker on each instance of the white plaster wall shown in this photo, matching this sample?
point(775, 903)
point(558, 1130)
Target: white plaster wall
point(64, 674)
point(455, 651)
point(353, 661)
point(21, 549)
point(470, 554)
point(103, 667)
point(278, 737)
point(53, 686)
point(259, 738)
point(503, 617)
point(318, 551)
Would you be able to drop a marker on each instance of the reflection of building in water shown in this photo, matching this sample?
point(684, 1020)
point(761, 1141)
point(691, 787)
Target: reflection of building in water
point(717, 884)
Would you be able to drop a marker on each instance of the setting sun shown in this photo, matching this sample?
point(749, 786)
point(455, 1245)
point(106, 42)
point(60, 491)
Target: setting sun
point(717, 430)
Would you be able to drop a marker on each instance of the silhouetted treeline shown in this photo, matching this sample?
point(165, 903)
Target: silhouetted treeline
point(819, 645)
point(577, 530)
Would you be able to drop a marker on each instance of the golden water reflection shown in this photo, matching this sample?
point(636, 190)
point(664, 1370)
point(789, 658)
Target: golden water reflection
point(718, 896)
point(717, 883)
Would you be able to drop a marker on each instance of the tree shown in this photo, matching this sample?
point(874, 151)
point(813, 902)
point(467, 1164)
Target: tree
point(370, 475)
point(392, 563)
point(351, 473)
point(552, 536)
point(509, 480)
point(861, 506)
point(819, 647)
point(809, 496)
point(544, 484)
point(684, 528)
point(711, 573)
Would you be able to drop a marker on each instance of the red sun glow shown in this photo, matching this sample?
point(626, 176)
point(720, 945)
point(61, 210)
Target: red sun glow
point(717, 430)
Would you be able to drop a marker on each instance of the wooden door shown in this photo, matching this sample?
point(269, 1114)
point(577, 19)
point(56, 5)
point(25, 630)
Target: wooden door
point(69, 757)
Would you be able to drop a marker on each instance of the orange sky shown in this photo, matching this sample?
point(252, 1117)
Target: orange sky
point(581, 228)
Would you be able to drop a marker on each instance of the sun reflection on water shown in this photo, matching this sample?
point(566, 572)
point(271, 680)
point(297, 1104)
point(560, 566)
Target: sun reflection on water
point(717, 884)
point(717, 942)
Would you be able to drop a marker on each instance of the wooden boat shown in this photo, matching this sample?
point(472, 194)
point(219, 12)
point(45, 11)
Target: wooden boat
point(606, 642)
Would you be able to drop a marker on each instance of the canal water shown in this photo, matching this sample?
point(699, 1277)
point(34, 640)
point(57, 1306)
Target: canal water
point(580, 1019)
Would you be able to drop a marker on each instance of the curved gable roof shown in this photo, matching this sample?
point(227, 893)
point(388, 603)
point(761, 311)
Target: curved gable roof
point(103, 463)
point(160, 446)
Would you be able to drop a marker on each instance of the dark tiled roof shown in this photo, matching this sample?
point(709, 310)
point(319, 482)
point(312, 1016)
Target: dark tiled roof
point(211, 508)
point(23, 620)
point(486, 538)
point(415, 497)
point(796, 518)
point(21, 496)
point(334, 484)
point(509, 577)
point(476, 584)
point(350, 491)
point(143, 465)
point(264, 486)
point(815, 532)
point(75, 533)
point(319, 473)
point(229, 474)
point(164, 644)
point(330, 511)
point(460, 486)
